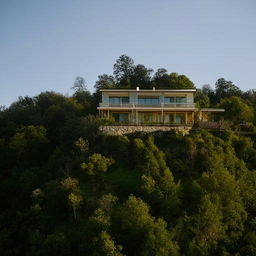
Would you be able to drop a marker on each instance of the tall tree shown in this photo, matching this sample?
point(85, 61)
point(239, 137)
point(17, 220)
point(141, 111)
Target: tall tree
point(180, 82)
point(79, 84)
point(141, 233)
point(224, 89)
point(105, 82)
point(161, 78)
point(201, 99)
point(123, 70)
point(236, 110)
point(141, 77)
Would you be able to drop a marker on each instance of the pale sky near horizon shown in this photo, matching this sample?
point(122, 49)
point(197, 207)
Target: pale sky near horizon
point(45, 45)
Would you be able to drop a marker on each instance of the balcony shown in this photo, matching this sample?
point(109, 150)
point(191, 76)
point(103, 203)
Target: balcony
point(136, 105)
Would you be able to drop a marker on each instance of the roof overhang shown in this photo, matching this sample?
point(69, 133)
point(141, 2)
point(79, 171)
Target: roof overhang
point(147, 90)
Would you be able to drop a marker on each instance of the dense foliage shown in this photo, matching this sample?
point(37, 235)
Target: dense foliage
point(68, 189)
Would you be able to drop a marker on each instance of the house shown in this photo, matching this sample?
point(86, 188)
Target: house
point(173, 107)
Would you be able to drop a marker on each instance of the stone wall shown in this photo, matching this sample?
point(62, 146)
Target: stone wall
point(124, 129)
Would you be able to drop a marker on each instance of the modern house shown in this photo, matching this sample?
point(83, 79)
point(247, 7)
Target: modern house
point(152, 106)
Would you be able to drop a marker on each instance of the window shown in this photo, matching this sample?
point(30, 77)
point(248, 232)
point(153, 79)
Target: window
point(121, 117)
point(146, 118)
point(175, 100)
point(148, 101)
point(169, 118)
point(118, 100)
point(169, 99)
point(180, 119)
point(181, 100)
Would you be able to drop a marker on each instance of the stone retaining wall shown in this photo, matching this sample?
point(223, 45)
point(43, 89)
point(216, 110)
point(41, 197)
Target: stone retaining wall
point(120, 130)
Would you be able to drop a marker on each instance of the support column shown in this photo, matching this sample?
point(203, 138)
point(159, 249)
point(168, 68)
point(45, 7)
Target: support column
point(186, 118)
point(108, 114)
point(162, 117)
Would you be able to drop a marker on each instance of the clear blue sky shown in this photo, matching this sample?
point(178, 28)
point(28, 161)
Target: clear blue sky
point(45, 44)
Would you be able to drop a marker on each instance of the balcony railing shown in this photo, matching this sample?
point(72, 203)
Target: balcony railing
point(136, 105)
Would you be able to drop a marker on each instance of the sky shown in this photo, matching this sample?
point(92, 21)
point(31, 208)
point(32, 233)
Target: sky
point(45, 45)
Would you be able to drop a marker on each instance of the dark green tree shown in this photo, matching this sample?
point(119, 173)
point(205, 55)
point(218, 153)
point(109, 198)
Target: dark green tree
point(141, 77)
point(201, 99)
point(224, 89)
point(105, 82)
point(236, 110)
point(123, 70)
point(180, 82)
point(141, 233)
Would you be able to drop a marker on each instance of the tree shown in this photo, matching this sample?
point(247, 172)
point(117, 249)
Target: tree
point(82, 145)
point(56, 244)
point(88, 128)
point(201, 99)
point(161, 78)
point(161, 72)
point(250, 97)
point(104, 245)
point(74, 197)
point(46, 99)
point(106, 202)
point(18, 144)
point(141, 76)
point(97, 164)
point(236, 110)
point(180, 82)
point(157, 179)
point(123, 70)
point(70, 184)
point(85, 99)
point(105, 82)
point(141, 234)
point(28, 141)
point(224, 89)
point(209, 228)
point(221, 183)
point(208, 91)
point(79, 84)
point(75, 200)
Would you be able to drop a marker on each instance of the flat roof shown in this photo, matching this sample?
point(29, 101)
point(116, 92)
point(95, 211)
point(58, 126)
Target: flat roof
point(148, 90)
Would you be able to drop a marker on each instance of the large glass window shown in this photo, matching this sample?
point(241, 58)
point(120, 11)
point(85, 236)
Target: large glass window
point(116, 100)
point(121, 117)
point(180, 119)
point(169, 99)
point(175, 100)
point(169, 118)
point(148, 101)
point(181, 100)
point(146, 118)
point(174, 118)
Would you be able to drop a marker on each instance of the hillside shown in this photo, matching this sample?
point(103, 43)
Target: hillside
point(66, 188)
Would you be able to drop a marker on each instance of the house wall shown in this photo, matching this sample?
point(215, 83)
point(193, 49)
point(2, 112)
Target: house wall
point(133, 96)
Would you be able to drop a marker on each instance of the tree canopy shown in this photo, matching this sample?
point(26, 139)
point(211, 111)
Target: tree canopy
point(67, 188)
